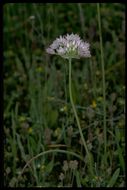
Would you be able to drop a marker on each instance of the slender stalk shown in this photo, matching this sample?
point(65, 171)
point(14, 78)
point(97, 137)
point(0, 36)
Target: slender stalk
point(103, 83)
point(82, 20)
point(77, 119)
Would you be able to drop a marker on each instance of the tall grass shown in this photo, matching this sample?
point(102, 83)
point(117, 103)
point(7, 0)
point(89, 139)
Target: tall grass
point(103, 84)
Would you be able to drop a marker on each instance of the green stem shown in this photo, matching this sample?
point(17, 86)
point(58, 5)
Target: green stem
point(103, 82)
point(77, 119)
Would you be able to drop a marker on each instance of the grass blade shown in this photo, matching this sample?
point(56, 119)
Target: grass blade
point(114, 178)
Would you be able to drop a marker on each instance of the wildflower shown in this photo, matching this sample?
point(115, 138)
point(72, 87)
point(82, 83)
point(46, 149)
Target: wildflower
point(30, 130)
point(65, 166)
point(63, 109)
point(43, 167)
point(57, 132)
point(39, 69)
point(22, 118)
point(94, 105)
point(70, 131)
point(73, 164)
point(61, 176)
point(69, 46)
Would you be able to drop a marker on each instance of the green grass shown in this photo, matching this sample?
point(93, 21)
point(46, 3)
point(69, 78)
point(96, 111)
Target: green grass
point(39, 124)
point(103, 84)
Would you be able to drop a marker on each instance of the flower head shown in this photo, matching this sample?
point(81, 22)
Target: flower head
point(69, 46)
point(73, 164)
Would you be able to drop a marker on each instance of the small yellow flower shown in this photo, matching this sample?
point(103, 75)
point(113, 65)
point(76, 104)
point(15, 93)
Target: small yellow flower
point(30, 130)
point(22, 118)
point(39, 69)
point(57, 133)
point(63, 109)
point(98, 178)
point(43, 167)
point(93, 105)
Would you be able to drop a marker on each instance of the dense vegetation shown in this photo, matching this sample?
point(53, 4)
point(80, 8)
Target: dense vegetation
point(38, 117)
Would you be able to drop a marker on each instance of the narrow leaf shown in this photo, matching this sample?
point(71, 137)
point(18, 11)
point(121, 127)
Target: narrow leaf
point(114, 178)
point(78, 179)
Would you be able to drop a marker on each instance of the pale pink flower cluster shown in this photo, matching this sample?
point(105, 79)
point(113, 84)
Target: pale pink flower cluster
point(69, 46)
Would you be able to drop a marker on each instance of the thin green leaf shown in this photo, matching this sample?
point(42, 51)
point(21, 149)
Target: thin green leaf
point(50, 166)
point(21, 148)
point(78, 179)
point(114, 178)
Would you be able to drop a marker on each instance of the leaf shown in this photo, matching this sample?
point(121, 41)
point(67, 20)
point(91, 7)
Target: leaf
point(53, 117)
point(120, 152)
point(114, 178)
point(21, 148)
point(49, 166)
point(78, 179)
point(121, 158)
